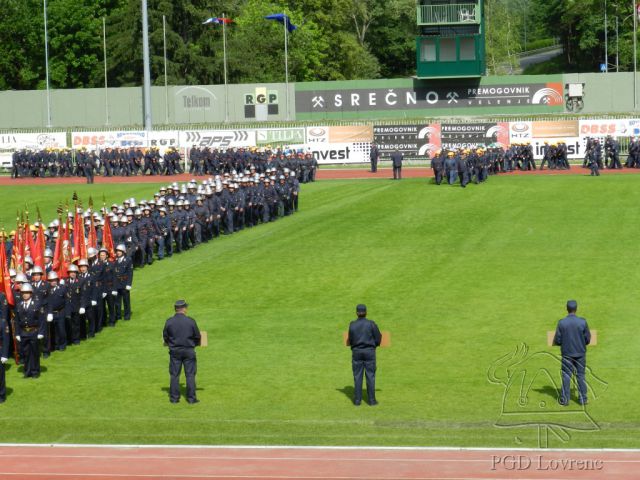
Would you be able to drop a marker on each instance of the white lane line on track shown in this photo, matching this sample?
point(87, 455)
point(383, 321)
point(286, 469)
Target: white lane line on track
point(256, 477)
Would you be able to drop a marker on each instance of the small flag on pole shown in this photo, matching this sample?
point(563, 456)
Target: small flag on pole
point(282, 18)
point(217, 21)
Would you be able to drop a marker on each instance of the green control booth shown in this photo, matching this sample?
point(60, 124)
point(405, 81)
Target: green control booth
point(451, 41)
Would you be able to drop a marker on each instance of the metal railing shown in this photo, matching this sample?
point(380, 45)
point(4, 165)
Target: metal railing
point(442, 14)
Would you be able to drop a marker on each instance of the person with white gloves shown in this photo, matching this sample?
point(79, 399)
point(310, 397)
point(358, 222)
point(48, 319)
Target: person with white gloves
point(74, 304)
point(5, 338)
point(30, 325)
point(123, 278)
point(57, 309)
point(88, 301)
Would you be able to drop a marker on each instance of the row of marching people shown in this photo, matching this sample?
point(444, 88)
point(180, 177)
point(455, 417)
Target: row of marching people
point(51, 313)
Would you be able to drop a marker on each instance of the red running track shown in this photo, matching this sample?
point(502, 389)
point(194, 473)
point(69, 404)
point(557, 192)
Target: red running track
point(116, 463)
point(323, 174)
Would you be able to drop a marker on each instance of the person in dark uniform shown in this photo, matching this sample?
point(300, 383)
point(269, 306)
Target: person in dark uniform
point(437, 165)
point(374, 155)
point(123, 279)
point(396, 160)
point(573, 336)
point(364, 337)
point(181, 335)
point(29, 330)
point(4, 344)
point(58, 310)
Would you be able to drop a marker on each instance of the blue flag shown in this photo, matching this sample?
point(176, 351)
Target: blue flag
point(282, 18)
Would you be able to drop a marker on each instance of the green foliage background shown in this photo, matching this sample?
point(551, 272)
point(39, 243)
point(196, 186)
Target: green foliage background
point(337, 39)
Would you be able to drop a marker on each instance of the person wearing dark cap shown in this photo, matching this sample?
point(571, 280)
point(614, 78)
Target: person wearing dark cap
point(573, 336)
point(181, 335)
point(364, 337)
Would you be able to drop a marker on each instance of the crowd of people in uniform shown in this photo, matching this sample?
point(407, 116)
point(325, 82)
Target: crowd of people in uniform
point(133, 161)
point(477, 164)
point(51, 313)
point(607, 155)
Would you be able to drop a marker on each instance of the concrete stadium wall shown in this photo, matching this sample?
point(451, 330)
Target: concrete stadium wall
point(366, 100)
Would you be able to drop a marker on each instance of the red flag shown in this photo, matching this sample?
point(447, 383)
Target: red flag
point(29, 242)
point(17, 254)
point(79, 245)
point(40, 244)
point(5, 286)
point(65, 255)
point(92, 241)
point(57, 254)
point(107, 238)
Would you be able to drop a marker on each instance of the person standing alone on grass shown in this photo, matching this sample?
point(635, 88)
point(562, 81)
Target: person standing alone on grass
point(396, 160)
point(374, 156)
point(181, 335)
point(364, 337)
point(573, 336)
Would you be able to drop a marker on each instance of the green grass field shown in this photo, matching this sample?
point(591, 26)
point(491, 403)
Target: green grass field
point(460, 278)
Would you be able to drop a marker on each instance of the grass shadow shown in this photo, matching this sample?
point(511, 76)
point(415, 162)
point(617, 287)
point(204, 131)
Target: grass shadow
point(548, 390)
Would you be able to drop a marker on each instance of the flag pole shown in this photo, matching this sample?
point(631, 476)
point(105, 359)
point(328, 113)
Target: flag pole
point(166, 88)
point(106, 91)
point(46, 60)
point(286, 62)
point(226, 85)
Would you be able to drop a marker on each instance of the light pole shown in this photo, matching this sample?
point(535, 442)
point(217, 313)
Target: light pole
point(147, 71)
point(606, 40)
point(106, 86)
point(46, 61)
point(635, 53)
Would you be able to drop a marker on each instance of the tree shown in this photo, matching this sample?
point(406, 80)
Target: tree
point(22, 61)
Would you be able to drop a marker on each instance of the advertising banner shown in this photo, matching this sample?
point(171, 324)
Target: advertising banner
point(452, 96)
point(404, 138)
point(280, 136)
point(520, 131)
point(218, 138)
point(576, 146)
point(12, 142)
point(340, 134)
point(560, 128)
point(472, 135)
point(163, 140)
point(335, 153)
point(615, 128)
point(102, 140)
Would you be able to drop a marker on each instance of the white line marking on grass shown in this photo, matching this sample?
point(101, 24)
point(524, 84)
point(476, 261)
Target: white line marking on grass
point(317, 447)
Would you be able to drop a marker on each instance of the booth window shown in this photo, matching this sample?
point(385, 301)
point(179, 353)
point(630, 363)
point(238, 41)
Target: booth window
point(447, 49)
point(467, 48)
point(428, 50)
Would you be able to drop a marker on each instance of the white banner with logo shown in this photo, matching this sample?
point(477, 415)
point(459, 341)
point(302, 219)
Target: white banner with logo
point(218, 138)
point(336, 153)
point(615, 128)
point(12, 142)
point(520, 131)
point(280, 136)
point(102, 140)
point(163, 140)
